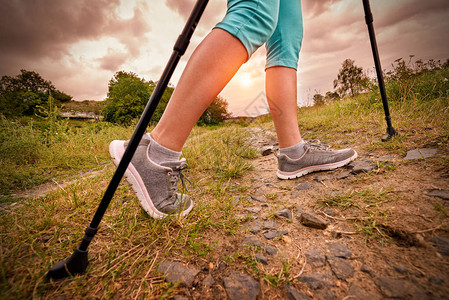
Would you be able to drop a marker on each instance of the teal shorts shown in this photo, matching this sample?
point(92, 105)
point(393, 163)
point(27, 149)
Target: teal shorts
point(277, 23)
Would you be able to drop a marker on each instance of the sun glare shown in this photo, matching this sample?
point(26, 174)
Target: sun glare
point(245, 80)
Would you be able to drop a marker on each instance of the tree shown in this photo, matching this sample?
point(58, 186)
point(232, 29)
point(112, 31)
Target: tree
point(128, 95)
point(216, 113)
point(318, 99)
point(22, 94)
point(350, 79)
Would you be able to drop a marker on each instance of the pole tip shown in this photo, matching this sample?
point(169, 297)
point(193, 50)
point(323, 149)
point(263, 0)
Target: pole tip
point(75, 264)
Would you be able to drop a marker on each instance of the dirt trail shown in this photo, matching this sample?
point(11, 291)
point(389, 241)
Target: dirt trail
point(383, 235)
point(46, 188)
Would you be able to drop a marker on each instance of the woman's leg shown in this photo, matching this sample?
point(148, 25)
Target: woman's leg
point(281, 80)
point(281, 89)
point(212, 65)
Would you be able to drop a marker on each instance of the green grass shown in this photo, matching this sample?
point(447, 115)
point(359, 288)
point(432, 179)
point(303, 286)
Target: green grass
point(31, 154)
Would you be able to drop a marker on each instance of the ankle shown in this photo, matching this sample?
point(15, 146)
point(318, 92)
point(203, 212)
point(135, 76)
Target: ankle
point(158, 153)
point(295, 151)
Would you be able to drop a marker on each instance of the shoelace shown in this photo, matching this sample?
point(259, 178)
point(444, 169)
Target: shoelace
point(317, 145)
point(177, 175)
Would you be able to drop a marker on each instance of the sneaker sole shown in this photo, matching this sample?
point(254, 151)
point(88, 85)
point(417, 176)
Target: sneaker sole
point(116, 151)
point(327, 167)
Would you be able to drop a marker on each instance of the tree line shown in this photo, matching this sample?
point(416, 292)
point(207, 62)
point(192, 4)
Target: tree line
point(352, 80)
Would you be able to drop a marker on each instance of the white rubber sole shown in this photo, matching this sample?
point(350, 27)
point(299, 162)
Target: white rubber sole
point(326, 167)
point(116, 151)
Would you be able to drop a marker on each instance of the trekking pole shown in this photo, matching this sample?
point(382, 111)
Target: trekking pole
point(78, 262)
point(372, 36)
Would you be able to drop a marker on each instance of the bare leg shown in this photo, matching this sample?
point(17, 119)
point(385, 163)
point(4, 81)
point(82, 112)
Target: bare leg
point(281, 94)
point(212, 65)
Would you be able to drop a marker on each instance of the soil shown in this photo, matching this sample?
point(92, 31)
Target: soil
point(393, 254)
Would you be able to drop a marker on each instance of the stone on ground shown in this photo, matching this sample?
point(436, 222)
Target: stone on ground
point(443, 194)
point(361, 166)
point(316, 257)
point(420, 153)
point(175, 272)
point(304, 186)
point(261, 258)
point(294, 294)
point(312, 220)
point(274, 234)
point(286, 213)
point(339, 250)
point(394, 288)
point(442, 245)
point(317, 281)
point(341, 267)
point(252, 240)
point(270, 250)
point(241, 287)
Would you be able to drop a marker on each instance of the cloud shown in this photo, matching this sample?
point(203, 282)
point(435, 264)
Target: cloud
point(31, 30)
point(317, 7)
point(113, 60)
point(214, 12)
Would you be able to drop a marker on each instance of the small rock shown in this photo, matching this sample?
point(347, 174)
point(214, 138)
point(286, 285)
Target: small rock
point(274, 234)
point(321, 178)
point(222, 266)
point(261, 258)
point(316, 257)
point(401, 269)
point(258, 199)
point(443, 194)
point(420, 153)
point(343, 175)
point(254, 228)
point(253, 210)
point(252, 240)
point(365, 269)
point(239, 286)
point(304, 186)
point(442, 245)
point(266, 150)
point(294, 294)
point(269, 224)
point(339, 250)
point(317, 281)
point(361, 166)
point(312, 220)
point(357, 293)
point(341, 267)
point(270, 250)
point(286, 213)
point(395, 288)
point(175, 272)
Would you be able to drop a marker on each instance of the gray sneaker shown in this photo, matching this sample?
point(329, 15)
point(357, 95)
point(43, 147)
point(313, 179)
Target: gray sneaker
point(155, 185)
point(317, 157)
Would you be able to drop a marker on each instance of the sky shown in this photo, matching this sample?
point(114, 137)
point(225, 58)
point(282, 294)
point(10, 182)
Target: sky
point(80, 44)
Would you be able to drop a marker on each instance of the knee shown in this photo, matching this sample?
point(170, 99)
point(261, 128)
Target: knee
point(252, 22)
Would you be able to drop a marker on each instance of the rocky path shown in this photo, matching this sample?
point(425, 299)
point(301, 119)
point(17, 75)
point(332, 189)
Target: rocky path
point(367, 231)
